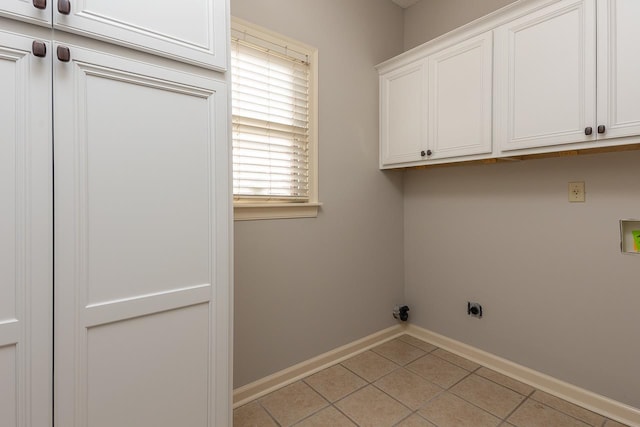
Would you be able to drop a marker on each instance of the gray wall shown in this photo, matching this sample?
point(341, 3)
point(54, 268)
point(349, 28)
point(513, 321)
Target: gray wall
point(303, 287)
point(558, 295)
point(429, 19)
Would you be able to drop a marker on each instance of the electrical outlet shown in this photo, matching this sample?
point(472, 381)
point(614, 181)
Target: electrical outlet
point(576, 191)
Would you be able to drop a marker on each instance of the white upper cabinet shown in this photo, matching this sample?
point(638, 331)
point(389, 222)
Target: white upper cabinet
point(403, 114)
point(460, 99)
point(32, 11)
point(192, 31)
point(537, 76)
point(618, 68)
point(546, 77)
point(437, 106)
point(567, 74)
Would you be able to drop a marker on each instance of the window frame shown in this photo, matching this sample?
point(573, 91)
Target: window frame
point(247, 209)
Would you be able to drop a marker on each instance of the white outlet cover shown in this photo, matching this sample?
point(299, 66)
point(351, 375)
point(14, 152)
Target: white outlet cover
point(576, 192)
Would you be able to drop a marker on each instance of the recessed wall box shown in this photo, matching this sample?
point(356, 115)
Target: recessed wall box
point(630, 236)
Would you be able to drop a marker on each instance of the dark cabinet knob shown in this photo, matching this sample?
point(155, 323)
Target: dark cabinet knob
point(64, 55)
point(602, 129)
point(588, 130)
point(423, 153)
point(39, 49)
point(40, 4)
point(64, 7)
point(429, 152)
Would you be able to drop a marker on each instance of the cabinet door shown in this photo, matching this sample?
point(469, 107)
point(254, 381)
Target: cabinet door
point(142, 245)
point(546, 77)
point(460, 98)
point(193, 31)
point(32, 11)
point(26, 252)
point(618, 67)
point(403, 114)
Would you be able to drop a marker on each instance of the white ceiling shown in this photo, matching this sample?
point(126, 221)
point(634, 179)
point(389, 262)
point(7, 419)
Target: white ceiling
point(405, 3)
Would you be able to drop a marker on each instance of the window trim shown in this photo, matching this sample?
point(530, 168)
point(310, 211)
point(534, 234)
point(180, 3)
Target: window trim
point(250, 209)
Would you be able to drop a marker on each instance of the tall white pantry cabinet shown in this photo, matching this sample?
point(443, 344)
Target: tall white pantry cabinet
point(115, 214)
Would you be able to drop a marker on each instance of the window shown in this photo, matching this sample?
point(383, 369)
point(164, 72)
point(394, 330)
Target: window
point(274, 125)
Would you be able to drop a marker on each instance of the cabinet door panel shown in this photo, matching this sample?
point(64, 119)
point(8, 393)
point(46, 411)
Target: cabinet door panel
point(192, 31)
point(141, 303)
point(26, 277)
point(8, 385)
point(25, 10)
point(546, 77)
point(618, 67)
point(403, 114)
point(460, 99)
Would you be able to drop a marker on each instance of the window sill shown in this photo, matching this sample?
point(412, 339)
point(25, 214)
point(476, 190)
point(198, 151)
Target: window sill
point(258, 211)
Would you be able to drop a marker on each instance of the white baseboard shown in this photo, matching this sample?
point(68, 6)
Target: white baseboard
point(594, 402)
point(290, 375)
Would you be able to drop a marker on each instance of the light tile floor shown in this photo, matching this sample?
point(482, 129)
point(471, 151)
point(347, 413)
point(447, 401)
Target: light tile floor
point(410, 383)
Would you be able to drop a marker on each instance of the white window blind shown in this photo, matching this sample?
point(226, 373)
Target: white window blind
point(270, 105)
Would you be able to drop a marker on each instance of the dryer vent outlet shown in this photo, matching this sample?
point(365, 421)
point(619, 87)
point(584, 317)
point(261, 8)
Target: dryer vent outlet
point(474, 309)
point(401, 312)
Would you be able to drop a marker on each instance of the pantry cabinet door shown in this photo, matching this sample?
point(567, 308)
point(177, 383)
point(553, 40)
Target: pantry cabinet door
point(193, 31)
point(460, 98)
point(33, 11)
point(403, 114)
point(26, 246)
point(618, 68)
point(142, 294)
point(546, 77)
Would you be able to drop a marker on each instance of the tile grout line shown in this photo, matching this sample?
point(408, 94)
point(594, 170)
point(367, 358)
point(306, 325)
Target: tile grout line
point(505, 419)
point(328, 403)
point(566, 413)
point(459, 381)
point(413, 411)
point(394, 398)
point(454, 363)
point(526, 396)
point(569, 415)
point(346, 415)
point(398, 366)
point(407, 417)
point(505, 386)
point(366, 380)
point(343, 397)
point(268, 413)
point(448, 390)
point(401, 365)
point(411, 361)
point(372, 384)
point(313, 413)
point(475, 405)
point(367, 383)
